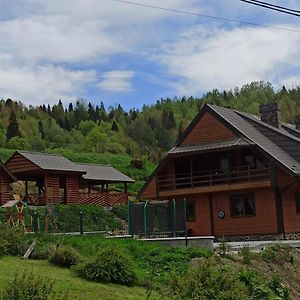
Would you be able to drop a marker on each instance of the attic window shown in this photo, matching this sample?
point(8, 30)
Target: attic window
point(242, 205)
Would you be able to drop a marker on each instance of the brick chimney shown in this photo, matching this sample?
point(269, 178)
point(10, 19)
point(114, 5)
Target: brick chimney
point(269, 113)
point(297, 122)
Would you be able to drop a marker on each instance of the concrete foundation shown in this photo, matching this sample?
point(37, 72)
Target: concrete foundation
point(206, 242)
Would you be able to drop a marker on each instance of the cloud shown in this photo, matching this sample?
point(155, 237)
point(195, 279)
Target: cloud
point(43, 84)
point(117, 81)
point(204, 58)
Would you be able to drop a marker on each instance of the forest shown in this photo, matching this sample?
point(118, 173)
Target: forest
point(141, 134)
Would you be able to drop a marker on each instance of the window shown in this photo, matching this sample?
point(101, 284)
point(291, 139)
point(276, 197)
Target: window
point(190, 211)
point(242, 205)
point(298, 202)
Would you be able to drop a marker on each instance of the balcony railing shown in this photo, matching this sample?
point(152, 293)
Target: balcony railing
point(199, 179)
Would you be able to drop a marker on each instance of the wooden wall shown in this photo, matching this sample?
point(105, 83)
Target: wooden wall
point(150, 190)
point(72, 189)
point(264, 222)
point(19, 164)
point(291, 217)
point(207, 130)
point(52, 189)
point(202, 225)
point(5, 188)
point(104, 199)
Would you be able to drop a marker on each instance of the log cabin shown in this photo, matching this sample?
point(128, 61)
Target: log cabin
point(6, 179)
point(54, 179)
point(239, 174)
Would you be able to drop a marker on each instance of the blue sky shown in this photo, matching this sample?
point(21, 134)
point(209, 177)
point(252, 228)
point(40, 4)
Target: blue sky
point(102, 50)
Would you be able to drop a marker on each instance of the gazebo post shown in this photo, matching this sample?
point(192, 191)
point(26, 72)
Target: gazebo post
point(26, 187)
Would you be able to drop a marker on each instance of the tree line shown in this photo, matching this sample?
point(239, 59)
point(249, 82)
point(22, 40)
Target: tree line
point(149, 132)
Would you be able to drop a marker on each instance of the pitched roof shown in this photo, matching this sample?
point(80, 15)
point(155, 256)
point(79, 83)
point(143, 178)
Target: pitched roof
point(51, 162)
point(106, 173)
point(276, 142)
point(4, 168)
point(236, 143)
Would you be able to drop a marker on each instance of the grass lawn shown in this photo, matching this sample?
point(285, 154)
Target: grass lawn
point(66, 281)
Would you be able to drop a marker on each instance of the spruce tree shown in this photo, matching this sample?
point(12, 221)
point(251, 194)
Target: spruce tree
point(13, 127)
point(114, 126)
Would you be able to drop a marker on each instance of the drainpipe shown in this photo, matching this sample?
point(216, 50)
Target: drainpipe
point(185, 221)
point(174, 218)
point(145, 218)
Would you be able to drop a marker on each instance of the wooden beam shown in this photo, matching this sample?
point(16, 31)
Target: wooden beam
point(125, 188)
point(211, 208)
point(215, 188)
point(278, 201)
point(26, 187)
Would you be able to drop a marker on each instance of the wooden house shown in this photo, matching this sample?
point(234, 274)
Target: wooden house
point(239, 173)
point(55, 179)
point(6, 179)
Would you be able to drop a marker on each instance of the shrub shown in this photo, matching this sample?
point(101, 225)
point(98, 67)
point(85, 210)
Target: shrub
point(110, 265)
point(121, 211)
point(260, 288)
point(278, 254)
point(13, 239)
point(246, 255)
point(26, 286)
point(209, 281)
point(43, 251)
point(65, 256)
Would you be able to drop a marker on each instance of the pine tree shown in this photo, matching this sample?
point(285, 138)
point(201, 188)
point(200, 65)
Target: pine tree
point(41, 130)
point(13, 127)
point(114, 126)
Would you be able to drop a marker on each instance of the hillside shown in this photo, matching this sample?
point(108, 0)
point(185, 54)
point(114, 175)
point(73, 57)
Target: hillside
point(140, 134)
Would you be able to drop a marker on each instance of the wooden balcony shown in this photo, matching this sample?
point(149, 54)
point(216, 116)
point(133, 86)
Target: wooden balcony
point(213, 180)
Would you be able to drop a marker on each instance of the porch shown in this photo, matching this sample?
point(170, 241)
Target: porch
point(212, 172)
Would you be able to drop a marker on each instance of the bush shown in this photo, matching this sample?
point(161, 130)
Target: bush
point(246, 255)
point(110, 265)
point(260, 288)
point(26, 286)
point(278, 254)
point(65, 256)
point(12, 239)
point(43, 251)
point(209, 281)
point(121, 211)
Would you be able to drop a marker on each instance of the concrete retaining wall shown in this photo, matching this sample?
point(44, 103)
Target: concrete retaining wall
point(206, 242)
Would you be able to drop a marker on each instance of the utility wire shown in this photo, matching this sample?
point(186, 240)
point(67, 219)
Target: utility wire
point(277, 6)
point(205, 16)
point(272, 8)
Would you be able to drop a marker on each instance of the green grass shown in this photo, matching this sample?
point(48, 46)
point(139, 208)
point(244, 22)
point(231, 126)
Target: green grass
point(65, 281)
point(147, 257)
point(120, 162)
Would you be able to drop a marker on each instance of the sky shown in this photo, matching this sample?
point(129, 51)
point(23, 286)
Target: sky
point(103, 50)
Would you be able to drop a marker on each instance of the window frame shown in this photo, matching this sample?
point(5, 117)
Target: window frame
point(193, 218)
point(238, 197)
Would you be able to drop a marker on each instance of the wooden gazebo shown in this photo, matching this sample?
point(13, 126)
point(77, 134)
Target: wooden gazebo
point(53, 179)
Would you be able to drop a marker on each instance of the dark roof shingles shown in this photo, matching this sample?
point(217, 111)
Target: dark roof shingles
point(52, 162)
point(104, 173)
point(239, 142)
point(242, 122)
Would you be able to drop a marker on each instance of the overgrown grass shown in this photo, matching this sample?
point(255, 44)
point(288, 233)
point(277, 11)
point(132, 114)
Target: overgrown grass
point(146, 256)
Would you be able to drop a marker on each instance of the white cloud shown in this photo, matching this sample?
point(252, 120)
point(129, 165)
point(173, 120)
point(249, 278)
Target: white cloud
point(43, 84)
point(116, 81)
point(220, 58)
